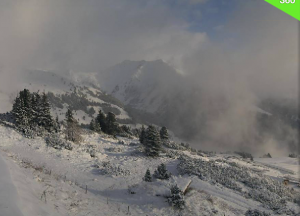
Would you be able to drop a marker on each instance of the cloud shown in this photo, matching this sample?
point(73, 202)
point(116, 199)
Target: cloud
point(198, 1)
point(256, 59)
point(254, 56)
point(90, 35)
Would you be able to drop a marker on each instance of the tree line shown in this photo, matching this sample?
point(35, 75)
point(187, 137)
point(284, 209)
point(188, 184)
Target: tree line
point(108, 124)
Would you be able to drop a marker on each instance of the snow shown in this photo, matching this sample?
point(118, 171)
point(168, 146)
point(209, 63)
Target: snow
point(9, 204)
point(141, 84)
point(112, 189)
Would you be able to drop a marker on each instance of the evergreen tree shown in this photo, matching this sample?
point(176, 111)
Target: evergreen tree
point(152, 142)
point(34, 109)
point(164, 133)
point(97, 127)
point(73, 131)
point(176, 199)
point(111, 124)
point(46, 119)
point(17, 111)
point(161, 172)
point(92, 125)
point(26, 107)
point(57, 125)
point(101, 121)
point(22, 110)
point(148, 177)
point(142, 135)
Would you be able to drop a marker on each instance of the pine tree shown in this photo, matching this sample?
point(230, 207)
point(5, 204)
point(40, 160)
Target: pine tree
point(92, 125)
point(57, 125)
point(152, 142)
point(17, 111)
point(111, 124)
point(73, 131)
point(34, 109)
point(46, 119)
point(37, 110)
point(97, 127)
point(161, 172)
point(26, 107)
point(176, 199)
point(101, 121)
point(164, 133)
point(22, 111)
point(148, 177)
point(142, 135)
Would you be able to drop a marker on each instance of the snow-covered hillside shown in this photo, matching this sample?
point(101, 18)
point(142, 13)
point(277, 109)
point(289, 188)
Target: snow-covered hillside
point(104, 176)
point(65, 92)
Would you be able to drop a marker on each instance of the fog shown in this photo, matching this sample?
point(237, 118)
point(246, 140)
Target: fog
point(252, 56)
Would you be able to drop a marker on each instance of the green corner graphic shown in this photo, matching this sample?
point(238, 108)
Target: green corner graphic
point(291, 7)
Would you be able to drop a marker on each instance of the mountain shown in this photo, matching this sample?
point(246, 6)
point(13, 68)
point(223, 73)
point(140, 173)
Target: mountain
point(85, 98)
point(154, 92)
point(144, 85)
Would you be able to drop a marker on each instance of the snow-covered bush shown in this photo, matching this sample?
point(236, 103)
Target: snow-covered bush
point(176, 199)
point(173, 154)
point(121, 142)
point(174, 145)
point(161, 172)
point(267, 155)
point(245, 155)
point(271, 193)
point(56, 142)
point(293, 155)
point(109, 169)
point(90, 149)
point(133, 144)
point(115, 149)
point(256, 213)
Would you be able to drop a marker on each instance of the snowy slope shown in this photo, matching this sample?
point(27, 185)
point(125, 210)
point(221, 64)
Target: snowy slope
point(75, 89)
point(9, 204)
point(114, 179)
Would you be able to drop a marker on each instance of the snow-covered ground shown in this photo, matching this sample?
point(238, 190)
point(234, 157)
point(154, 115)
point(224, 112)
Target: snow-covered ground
point(46, 181)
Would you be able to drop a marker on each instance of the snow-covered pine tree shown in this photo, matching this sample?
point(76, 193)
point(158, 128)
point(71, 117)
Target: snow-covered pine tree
point(164, 133)
point(92, 125)
point(25, 96)
point(101, 121)
point(161, 172)
point(111, 124)
point(57, 125)
point(97, 127)
point(73, 131)
point(34, 107)
point(177, 198)
point(22, 110)
point(17, 111)
point(148, 177)
point(152, 142)
point(46, 119)
point(142, 135)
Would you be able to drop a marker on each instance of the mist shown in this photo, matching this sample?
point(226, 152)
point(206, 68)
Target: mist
point(250, 57)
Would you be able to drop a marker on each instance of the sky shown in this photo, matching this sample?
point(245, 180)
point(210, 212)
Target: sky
point(243, 49)
point(95, 34)
point(250, 40)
